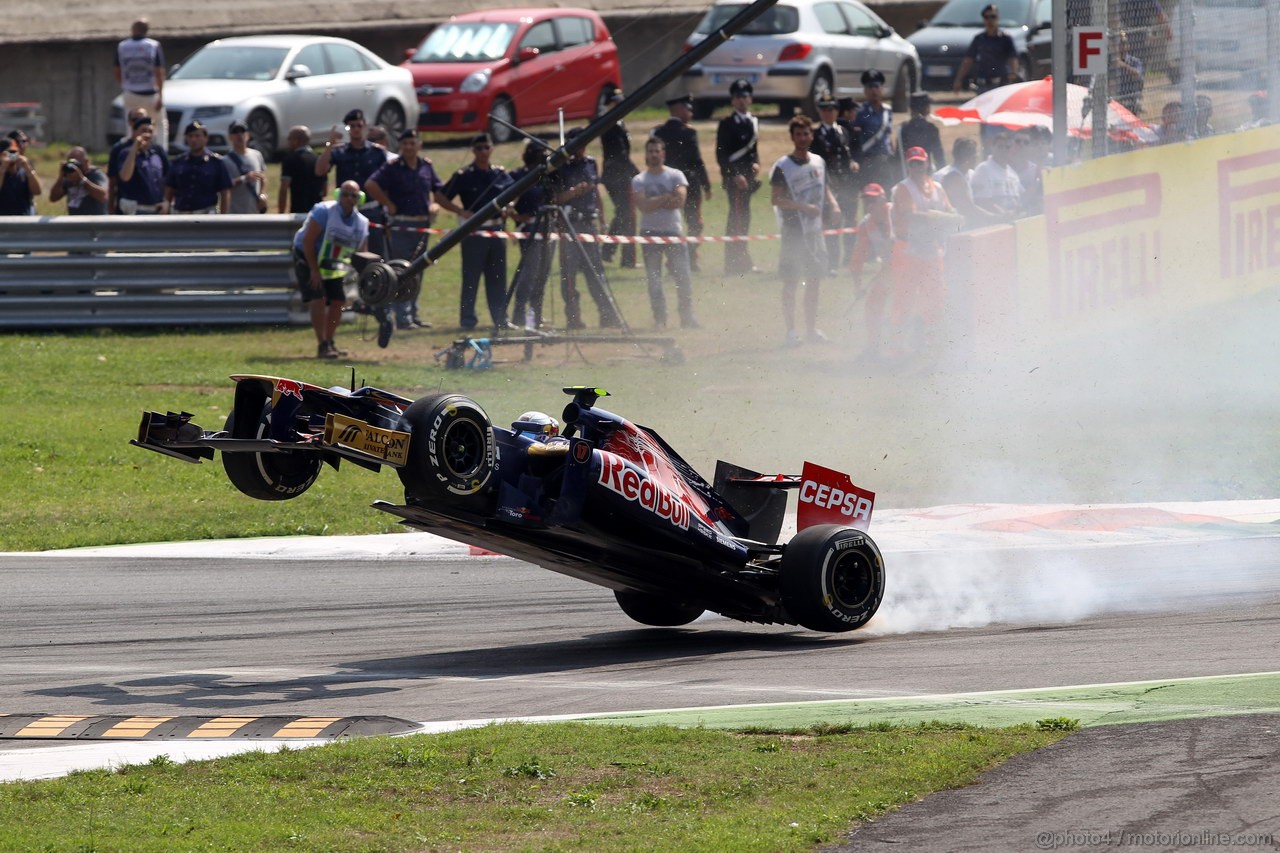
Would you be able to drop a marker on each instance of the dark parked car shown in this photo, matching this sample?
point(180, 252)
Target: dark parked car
point(944, 39)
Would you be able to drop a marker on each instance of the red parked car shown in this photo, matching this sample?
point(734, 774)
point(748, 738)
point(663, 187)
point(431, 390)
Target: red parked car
point(518, 65)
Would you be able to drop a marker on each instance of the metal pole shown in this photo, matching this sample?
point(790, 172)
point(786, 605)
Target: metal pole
point(1061, 62)
point(1271, 78)
point(561, 155)
point(1187, 51)
point(1099, 89)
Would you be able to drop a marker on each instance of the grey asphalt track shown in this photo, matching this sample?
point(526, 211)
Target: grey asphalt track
point(1182, 785)
point(436, 638)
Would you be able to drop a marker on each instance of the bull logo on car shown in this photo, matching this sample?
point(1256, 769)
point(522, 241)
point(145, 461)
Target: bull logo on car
point(289, 388)
point(617, 477)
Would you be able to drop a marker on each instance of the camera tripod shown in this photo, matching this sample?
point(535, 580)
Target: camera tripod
point(528, 285)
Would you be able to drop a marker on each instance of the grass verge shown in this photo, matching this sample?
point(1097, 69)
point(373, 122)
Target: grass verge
point(515, 787)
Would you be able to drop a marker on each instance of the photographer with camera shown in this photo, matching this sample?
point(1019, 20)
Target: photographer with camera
point(19, 184)
point(82, 184)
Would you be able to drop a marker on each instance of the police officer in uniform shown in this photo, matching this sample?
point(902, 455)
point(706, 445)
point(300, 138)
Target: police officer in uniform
point(474, 186)
point(405, 189)
point(739, 162)
point(992, 56)
point(356, 160)
point(198, 181)
point(616, 174)
point(576, 186)
point(683, 153)
point(831, 142)
point(876, 155)
point(919, 132)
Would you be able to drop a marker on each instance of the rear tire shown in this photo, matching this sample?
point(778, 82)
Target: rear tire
point(832, 578)
point(821, 89)
point(453, 456)
point(656, 610)
point(391, 118)
point(269, 476)
point(903, 86)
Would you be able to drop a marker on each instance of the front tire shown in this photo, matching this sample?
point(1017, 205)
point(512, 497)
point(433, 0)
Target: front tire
point(502, 109)
point(264, 133)
point(656, 610)
point(269, 476)
point(453, 455)
point(832, 578)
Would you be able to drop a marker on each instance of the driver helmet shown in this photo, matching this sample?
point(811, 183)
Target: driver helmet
point(537, 425)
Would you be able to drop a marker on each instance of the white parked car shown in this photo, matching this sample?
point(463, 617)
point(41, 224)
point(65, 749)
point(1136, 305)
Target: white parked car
point(799, 51)
point(274, 82)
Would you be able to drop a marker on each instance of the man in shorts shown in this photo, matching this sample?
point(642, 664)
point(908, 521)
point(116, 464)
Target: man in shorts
point(322, 248)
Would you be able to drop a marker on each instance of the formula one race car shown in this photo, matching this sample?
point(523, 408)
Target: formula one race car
point(606, 501)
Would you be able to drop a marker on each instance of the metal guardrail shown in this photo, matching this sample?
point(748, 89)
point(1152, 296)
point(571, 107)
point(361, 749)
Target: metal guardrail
point(78, 271)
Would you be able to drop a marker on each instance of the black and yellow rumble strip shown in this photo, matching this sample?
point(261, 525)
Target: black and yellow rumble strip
point(97, 727)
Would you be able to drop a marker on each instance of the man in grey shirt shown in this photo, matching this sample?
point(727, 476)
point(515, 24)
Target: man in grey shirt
point(659, 194)
point(248, 171)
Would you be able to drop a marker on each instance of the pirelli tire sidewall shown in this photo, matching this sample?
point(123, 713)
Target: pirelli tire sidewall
point(453, 454)
point(832, 578)
point(269, 476)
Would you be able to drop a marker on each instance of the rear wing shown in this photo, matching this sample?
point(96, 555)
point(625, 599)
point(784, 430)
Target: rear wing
point(826, 497)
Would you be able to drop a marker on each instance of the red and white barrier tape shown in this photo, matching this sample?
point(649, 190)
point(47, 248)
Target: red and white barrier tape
point(608, 238)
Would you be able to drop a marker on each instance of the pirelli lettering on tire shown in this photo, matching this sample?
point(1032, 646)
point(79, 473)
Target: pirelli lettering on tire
point(627, 482)
point(389, 445)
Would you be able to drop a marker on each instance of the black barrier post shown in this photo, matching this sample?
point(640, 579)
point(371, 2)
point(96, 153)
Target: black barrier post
point(561, 155)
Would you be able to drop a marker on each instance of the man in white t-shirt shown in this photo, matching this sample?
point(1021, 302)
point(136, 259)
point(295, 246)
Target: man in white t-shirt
point(995, 184)
point(801, 199)
point(139, 68)
point(659, 193)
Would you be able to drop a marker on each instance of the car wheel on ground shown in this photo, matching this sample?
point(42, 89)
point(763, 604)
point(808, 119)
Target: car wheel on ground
point(656, 610)
point(264, 133)
point(819, 90)
point(903, 85)
point(391, 117)
point(504, 110)
point(269, 476)
point(832, 578)
point(452, 453)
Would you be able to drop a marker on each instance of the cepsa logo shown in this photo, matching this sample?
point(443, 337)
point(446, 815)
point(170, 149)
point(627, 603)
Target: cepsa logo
point(627, 482)
point(1249, 213)
point(1104, 244)
point(830, 497)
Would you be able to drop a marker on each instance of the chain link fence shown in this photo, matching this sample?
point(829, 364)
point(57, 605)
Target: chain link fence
point(1187, 69)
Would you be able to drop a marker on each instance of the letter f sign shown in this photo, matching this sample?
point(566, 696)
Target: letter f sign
point(1090, 53)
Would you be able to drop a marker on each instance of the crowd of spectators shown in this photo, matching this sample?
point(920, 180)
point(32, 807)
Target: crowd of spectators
point(848, 166)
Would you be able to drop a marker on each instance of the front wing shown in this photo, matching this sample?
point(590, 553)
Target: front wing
point(173, 434)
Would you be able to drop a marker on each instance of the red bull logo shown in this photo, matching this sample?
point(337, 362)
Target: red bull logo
point(289, 388)
point(627, 482)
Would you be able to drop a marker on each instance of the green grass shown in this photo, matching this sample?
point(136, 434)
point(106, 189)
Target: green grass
point(514, 787)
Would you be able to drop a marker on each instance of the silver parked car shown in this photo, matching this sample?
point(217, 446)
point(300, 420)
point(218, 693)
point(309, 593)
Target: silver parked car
point(800, 51)
point(274, 82)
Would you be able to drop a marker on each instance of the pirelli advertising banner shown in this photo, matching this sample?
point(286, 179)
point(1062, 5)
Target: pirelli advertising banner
point(1154, 231)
